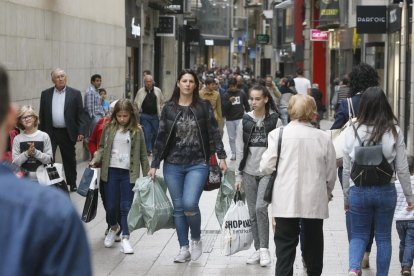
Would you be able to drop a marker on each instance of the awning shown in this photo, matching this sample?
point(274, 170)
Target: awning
point(285, 4)
point(214, 40)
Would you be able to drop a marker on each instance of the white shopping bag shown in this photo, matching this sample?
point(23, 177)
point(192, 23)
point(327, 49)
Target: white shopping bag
point(50, 174)
point(236, 229)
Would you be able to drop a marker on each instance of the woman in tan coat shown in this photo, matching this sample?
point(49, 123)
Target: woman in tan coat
point(303, 186)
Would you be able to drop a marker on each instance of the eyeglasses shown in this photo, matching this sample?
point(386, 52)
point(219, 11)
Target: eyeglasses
point(28, 117)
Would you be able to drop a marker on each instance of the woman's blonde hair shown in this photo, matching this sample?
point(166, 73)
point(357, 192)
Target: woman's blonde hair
point(24, 109)
point(302, 108)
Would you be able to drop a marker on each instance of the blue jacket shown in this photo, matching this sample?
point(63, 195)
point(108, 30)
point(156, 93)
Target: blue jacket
point(341, 116)
point(42, 233)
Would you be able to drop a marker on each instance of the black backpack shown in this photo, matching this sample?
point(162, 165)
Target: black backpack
point(370, 167)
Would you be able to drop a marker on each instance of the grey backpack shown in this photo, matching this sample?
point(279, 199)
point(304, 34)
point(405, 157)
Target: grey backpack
point(370, 167)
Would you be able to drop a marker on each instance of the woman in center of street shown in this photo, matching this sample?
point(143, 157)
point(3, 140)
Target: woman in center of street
point(303, 186)
point(188, 134)
point(251, 143)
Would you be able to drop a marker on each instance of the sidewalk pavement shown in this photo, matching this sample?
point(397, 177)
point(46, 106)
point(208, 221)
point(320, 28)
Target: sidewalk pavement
point(154, 253)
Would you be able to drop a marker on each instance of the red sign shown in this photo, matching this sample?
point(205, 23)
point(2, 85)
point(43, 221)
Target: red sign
point(318, 35)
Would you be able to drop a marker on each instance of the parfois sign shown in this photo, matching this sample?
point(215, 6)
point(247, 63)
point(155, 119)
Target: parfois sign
point(371, 19)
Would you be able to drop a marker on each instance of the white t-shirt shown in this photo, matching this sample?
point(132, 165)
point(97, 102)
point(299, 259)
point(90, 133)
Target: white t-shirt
point(121, 150)
point(302, 85)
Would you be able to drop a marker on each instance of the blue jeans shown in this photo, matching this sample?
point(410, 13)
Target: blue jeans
point(150, 124)
point(368, 204)
point(405, 229)
point(185, 184)
point(119, 196)
point(348, 219)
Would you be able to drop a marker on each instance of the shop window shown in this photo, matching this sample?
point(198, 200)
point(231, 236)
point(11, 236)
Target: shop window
point(289, 20)
point(375, 56)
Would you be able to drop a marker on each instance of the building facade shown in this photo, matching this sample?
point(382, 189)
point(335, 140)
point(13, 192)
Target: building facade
point(81, 37)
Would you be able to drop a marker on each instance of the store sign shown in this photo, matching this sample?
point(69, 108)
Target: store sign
point(394, 18)
point(166, 26)
point(136, 29)
point(176, 7)
point(318, 35)
point(209, 42)
point(262, 39)
point(371, 19)
point(239, 44)
point(329, 10)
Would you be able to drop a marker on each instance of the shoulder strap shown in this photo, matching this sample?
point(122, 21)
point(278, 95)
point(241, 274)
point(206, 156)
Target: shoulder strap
point(356, 134)
point(279, 146)
point(351, 111)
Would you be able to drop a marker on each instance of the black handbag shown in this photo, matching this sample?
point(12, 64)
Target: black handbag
point(214, 174)
point(269, 189)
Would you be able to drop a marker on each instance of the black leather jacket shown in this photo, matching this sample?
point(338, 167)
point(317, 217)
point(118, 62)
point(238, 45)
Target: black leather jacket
point(207, 126)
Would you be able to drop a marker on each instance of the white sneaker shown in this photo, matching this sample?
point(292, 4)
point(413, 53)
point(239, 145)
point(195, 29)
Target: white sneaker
point(265, 257)
point(183, 256)
point(254, 258)
point(126, 246)
point(196, 250)
point(110, 237)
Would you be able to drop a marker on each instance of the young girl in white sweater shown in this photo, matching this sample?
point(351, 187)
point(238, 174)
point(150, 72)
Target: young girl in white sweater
point(32, 147)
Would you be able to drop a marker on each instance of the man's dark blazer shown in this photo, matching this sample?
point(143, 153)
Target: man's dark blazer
point(74, 113)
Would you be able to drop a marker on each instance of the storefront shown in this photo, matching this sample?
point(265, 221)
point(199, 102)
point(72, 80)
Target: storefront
point(213, 20)
point(284, 16)
point(133, 43)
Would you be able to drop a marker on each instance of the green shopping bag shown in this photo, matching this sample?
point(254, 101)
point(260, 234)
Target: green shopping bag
point(151, 207)
point(225, 195)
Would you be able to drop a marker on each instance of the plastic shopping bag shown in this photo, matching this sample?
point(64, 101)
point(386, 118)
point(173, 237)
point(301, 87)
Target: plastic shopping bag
point(135, 215)
point(225, 195)
point(155, 210)
point(236, 229)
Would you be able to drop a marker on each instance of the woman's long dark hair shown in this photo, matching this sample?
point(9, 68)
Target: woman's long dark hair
point(375, 111)
point(270, 105)
point(361, 77)
point(176, 93)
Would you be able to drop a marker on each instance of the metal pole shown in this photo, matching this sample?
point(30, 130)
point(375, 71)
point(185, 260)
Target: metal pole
point(141, 44)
